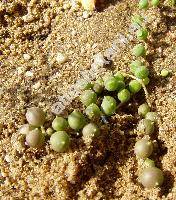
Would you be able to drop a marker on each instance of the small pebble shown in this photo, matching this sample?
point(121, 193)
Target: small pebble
point(61, 58)
point(164, 73)
point(20, 70)
point(29, 74)
point(26, 56)
point(36, 86)
point(28, 18)
point(8, 158)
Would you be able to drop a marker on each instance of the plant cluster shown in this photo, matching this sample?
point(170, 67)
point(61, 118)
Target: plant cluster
point(102, 98)
point(150, 176)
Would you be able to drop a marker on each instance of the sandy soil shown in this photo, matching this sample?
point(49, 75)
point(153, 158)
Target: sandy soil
point(108, 168)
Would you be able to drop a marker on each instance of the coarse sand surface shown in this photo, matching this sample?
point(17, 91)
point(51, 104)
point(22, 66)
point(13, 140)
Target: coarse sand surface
point(31, 34)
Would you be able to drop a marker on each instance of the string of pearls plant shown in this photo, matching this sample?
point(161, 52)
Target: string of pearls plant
point(150, 176)
point(102, 98)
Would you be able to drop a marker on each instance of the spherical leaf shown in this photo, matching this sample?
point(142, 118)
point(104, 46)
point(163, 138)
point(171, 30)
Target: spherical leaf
point(35, 138)
point(143, 148)
point(60, 141)
point(76, 120)
point(108, 105)
point(35, 116)
point(151, 177)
